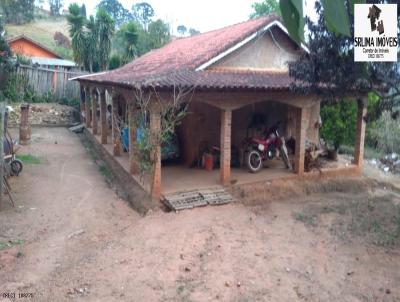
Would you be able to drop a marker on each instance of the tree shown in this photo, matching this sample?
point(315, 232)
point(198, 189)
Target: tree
point(83, 10)
point(158, 34)
point(329, 69)
point(106, 27)
point(17, 11)
point(55, 7)
point(130, 37)
point(264, 7)
point(76, 31)
point(91, 39)
point(181, 30)
point(116, 10)
point(5, 55)
point(143, 12)
point(193, 32)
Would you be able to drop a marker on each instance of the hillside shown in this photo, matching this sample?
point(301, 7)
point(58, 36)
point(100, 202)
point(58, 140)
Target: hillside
point(42, 30)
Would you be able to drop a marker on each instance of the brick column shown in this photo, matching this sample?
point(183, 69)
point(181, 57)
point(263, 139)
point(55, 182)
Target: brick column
point(87, 107)
point(133, 162)
point(301, 129)
point(360, 134)
point(103, 116)
point(225, 168)
point(155, 128)
point(82, 105)
point(116, 136)
point(94, 95)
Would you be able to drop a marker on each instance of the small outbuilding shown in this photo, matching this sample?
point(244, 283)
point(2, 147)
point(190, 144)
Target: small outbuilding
point(38, 53)
point(239, 79)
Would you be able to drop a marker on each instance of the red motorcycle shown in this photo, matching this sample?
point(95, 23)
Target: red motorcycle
point(259, 150)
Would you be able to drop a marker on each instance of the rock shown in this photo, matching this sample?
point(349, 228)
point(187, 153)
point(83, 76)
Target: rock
point(238, 284)
point(77, 233)
point(187, 269)
point(388, 291)
point(227, 284)
point(386, 169)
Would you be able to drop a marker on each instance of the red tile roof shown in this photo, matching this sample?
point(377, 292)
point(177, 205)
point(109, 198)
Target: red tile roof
point(176, 63)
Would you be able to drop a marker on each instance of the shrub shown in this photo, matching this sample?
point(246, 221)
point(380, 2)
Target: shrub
point(339, 122)
point(386, 133)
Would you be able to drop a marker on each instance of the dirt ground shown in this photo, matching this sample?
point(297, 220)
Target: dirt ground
point(73, 239)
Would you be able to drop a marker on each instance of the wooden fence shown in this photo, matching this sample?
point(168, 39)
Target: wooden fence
point(54, 81)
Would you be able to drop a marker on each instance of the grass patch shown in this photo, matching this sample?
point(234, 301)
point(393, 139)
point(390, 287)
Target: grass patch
point(107, 174)
point(29, 159)
point(369, 152)
point(377, 219)
point(10, 244)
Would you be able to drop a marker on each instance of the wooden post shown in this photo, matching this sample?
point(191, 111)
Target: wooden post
point(94, 97)
point(155, 128)
point(103, 116)
point(133, 163)
point(116, 135)
point(24, 128)
point(360, 134)
point(301, 129)
point(225, 140)
point(87, 107)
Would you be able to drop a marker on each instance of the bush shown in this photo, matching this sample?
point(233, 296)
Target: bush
point(339, 122)
point(19, 90)
point(115, 62)
point(385, 132)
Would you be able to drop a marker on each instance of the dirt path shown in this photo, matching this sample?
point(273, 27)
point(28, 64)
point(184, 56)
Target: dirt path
point(81, 242)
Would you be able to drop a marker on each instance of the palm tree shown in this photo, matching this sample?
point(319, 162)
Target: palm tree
point(130, 35)
point(106, 27)
point(92, 48)
point(76, 30)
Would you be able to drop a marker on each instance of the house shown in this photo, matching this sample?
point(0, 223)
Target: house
point(236, 73)
point(38, 53)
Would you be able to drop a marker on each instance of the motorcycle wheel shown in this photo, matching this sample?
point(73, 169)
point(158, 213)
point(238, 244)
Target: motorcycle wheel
point(285, 157)
point(254, 161)
point(16, 167)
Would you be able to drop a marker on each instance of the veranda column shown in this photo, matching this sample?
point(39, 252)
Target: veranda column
point(82, 105)
point(116, 135)
point(133, 161)
point(94, 95)
point(360, 134)
point(103, 115)
point(301, 129)
point(87, 107)
point(155, 129)
point(225, 168)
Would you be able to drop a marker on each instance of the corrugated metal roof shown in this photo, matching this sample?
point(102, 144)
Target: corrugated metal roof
point(52, 62)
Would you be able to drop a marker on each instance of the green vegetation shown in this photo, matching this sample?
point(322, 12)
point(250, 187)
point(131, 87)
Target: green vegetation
point(29, 159)
point(10, 243)
point(17, 11)
point(264, 8)
point(339, 123)
point(43, 31)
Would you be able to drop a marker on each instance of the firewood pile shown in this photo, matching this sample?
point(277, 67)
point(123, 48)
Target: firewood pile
point(314, 155)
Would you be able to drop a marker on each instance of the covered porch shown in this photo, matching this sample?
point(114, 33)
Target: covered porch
point(103, 125)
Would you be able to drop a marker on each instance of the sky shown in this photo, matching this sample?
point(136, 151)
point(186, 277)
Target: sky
point(203, 15)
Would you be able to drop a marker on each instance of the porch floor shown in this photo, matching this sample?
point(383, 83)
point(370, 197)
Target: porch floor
point(175, 178)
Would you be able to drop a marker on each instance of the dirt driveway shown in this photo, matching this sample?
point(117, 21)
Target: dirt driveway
point(73, 239)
